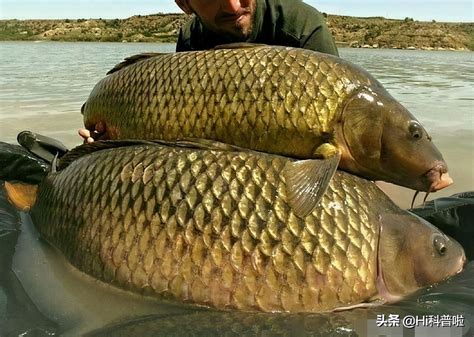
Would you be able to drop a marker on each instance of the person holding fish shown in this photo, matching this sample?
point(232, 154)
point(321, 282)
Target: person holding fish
point(285, 23)
point(279, 230)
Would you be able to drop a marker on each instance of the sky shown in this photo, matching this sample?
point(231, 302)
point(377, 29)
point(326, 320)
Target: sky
point(422, 10)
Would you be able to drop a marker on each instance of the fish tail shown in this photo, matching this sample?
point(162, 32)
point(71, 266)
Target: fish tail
point(21, 195)
point(21, 171)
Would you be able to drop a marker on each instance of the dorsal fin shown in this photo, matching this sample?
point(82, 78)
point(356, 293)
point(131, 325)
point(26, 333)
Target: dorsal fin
point(201, 144)
point(132, 60)
point(237, 45)
point(190, 143)
point(99, 145)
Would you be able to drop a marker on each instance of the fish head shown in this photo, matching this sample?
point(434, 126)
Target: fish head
point(412, 254)
point(384, 141)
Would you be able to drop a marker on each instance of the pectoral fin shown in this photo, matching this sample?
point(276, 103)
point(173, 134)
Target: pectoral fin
point(307, 181)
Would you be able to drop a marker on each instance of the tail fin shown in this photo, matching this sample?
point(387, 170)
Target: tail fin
point(22, 196)
point(21, 171)
point(24, 167)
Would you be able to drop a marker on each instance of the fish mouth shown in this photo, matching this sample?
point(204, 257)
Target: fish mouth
point(438, 178)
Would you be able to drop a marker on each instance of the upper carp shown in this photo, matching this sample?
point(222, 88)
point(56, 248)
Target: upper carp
point(281, 100)
point(214, 227)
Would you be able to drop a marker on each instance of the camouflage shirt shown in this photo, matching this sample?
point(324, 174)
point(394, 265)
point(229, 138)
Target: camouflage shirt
point(276, 22)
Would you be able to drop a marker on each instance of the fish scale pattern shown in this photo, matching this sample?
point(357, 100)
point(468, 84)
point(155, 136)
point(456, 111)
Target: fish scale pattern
point(277, 99)
point(212, 227)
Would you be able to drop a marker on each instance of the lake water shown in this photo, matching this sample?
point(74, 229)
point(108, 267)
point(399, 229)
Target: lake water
point(42, 88)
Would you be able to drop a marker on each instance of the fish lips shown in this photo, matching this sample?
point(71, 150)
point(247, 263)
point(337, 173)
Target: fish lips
point(437, 178)
point(433, 180)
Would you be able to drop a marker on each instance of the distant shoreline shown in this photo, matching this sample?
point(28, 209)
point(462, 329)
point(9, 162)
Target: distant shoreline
point(354, 32)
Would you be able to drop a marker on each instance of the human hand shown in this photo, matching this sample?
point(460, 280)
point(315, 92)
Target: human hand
point(89, 136)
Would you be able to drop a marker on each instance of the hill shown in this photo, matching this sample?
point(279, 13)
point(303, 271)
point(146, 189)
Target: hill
point(373, 32)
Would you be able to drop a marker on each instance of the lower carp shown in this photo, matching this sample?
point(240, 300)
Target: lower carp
point(214, 227)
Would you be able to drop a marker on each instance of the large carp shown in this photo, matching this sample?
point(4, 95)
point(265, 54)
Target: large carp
point(214, 227)
point(281, 100)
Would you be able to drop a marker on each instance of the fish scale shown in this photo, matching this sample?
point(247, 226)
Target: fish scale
point(193, 239)
point(248, 87)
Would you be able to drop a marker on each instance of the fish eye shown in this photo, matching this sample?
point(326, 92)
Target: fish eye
point(415, 129)
point(439, 242)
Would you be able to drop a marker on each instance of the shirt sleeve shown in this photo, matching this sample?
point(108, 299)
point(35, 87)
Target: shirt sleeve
point(306, 24)
point(320, 40)
point(180, 45)
point(184, 37)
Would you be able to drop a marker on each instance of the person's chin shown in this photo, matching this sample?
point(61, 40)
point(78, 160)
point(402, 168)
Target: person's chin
point(239, 29)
